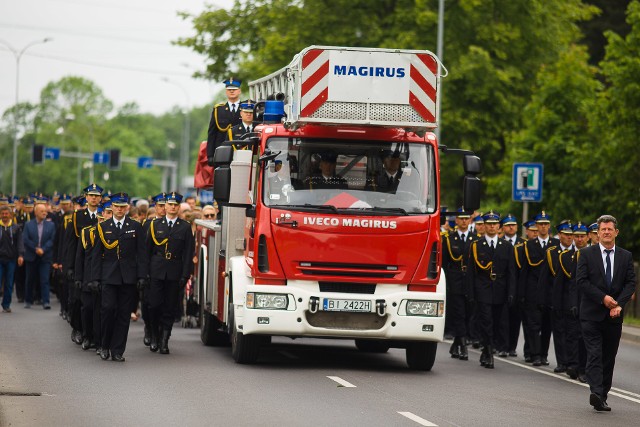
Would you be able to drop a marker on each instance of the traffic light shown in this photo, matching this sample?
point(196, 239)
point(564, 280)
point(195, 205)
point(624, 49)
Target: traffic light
point(37, 155)
point(114, 159)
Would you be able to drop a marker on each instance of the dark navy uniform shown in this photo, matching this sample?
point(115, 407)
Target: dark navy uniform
point(240, 129)
point(170, 249)
point(537, 313)
point(223, 119)
point(514, 317)
point(491, 275)
point(455, 259)
point(119, 262)
point(90, 310)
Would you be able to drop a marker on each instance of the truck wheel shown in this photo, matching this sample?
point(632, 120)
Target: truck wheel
point(244, 348)
point(372, 346)
point(421, 355)
point(208, 332)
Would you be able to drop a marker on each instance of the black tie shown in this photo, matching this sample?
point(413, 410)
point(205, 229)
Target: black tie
point(248, 129)
point(511, 241)
point(491, 244)
point(233, 108)
point(607, 273)
point(119, 225)
point(93, 216)
point(463, 236)
point(170, 224)
point(544, 244)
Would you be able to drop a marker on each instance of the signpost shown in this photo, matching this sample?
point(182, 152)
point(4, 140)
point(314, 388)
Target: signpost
point(101, 158)
point(145, 162)
point(51, 153)
point(527, 185)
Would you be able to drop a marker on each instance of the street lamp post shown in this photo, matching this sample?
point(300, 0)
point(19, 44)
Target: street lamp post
point(18, 54)
point(184, 148)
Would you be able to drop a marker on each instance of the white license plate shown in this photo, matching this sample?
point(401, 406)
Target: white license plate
point(331, 304)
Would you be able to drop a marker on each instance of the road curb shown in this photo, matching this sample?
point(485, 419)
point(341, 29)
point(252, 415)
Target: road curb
point(631, 334)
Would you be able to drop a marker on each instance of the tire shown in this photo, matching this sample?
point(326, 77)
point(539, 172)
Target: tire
point(209, 334)
point(372, 346)
point(421, 355)
point(244, 348)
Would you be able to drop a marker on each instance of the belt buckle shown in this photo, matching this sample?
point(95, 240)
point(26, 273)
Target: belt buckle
point(493, 276)
point(167, 255)
point(463, 268)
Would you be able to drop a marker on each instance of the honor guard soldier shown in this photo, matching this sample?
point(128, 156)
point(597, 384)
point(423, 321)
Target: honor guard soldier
point(118, 264)
point(160, 201)
point(455, 258)
point(593, 234)
point(478, 225)
point(566, 303)
point(170, 245)
point(224, 117)
point(536, 300)
point(531, 232)
point(510, 229)
point(79, 220)
point(547, 278)
point(492, 283)
point(246, 120)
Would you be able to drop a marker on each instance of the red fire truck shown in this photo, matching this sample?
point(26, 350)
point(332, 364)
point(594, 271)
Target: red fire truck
point(331, 221)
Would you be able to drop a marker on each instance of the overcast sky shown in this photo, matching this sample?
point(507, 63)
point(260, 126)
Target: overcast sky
point(123, 46)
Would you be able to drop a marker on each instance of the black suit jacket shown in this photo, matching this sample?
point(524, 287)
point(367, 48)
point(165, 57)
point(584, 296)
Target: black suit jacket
point(455, 260)
point(122, 263)
point(565, 293)
point(590, 277)
point(485, 289)
point(220, 126)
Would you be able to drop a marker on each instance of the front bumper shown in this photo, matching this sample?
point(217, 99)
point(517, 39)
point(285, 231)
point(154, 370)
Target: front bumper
point(301, 319)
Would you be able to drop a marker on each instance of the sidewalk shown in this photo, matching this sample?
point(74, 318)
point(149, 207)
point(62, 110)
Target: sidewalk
point(631, 333)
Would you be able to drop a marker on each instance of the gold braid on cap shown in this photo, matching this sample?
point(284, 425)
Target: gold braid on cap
point(526, 252)
point(104, 242)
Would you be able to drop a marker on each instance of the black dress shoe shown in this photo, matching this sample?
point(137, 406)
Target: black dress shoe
point(598, 404)
point(513, 354)
point(544, 361)
point(104, 354)
point(572, 372)
point(582, 378)
point(98, 350)
point(475, 344)
point(560, 369)
point(502, 354)
point(86, 344)
point(536, 361)
point(528, 359)
point(117, 358)
point(147, 336)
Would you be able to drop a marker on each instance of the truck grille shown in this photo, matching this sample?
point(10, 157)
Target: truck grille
point(350, 288)
point(373, 271)
point(347, 321)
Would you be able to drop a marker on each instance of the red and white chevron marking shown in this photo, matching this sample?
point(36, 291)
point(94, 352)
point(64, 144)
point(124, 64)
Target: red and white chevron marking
point(422, 86)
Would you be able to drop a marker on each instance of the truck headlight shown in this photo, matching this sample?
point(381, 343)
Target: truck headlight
point(425, 308)
point(267, 301)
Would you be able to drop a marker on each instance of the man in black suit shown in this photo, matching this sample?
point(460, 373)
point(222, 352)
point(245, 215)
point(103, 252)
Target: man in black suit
point(455, 259)
point(224, 117)
point(536, 298)
point(170, 247)
point(606, 280)
point(492, 283)
point(38, 236)
point(118, 264)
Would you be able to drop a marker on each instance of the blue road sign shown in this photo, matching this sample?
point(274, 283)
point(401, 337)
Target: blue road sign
point(145, 162)
point(51, 153)
point(527, 182)
point(101, 158)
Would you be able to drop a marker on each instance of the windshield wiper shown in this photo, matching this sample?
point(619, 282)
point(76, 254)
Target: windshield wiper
point(307, 207)
point(397, 211)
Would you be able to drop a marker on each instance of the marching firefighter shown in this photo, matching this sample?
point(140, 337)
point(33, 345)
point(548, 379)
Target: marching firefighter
point(170, 246)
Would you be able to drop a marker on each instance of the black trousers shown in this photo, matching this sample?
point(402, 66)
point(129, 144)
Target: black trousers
point(601, 340)
point(545, 331)
point(163, 299)
point(572, 341)
point(117, 304)
point(537, 322)
point(86, 314)
point(19, 281)
point(456, 311)
point(559, 324)
point(490, 322)
point(74, 306)
point(515, 320)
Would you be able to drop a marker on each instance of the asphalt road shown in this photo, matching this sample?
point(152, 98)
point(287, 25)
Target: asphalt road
point(46, 380)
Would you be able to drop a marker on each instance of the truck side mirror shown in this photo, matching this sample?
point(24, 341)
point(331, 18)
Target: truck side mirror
point(222, 183)
point(223, 156)
point(472, 165)
point(471, 188)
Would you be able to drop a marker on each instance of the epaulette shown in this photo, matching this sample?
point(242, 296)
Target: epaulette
point(576, 254)
point(526, 252)
point(444, 233)
point(549, 260)
point(219, 104)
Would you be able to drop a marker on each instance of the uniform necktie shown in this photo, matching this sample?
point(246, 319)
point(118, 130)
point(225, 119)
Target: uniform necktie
point(233, 108)
point(463, 236)
point(511, 241)
point(491, 244)
point(93, 216)
point(170, 224)
point(544, 244)
point(248, 129)
point(607, 273)
point(119, 225)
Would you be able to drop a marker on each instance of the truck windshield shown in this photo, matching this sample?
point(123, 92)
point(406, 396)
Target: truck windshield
point(381, 177)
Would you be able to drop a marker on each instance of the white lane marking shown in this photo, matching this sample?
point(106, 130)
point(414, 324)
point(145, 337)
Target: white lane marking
point(285, 353)
point(614, 391)
point(340, 381)
point(619, 390)
point(414, 417)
